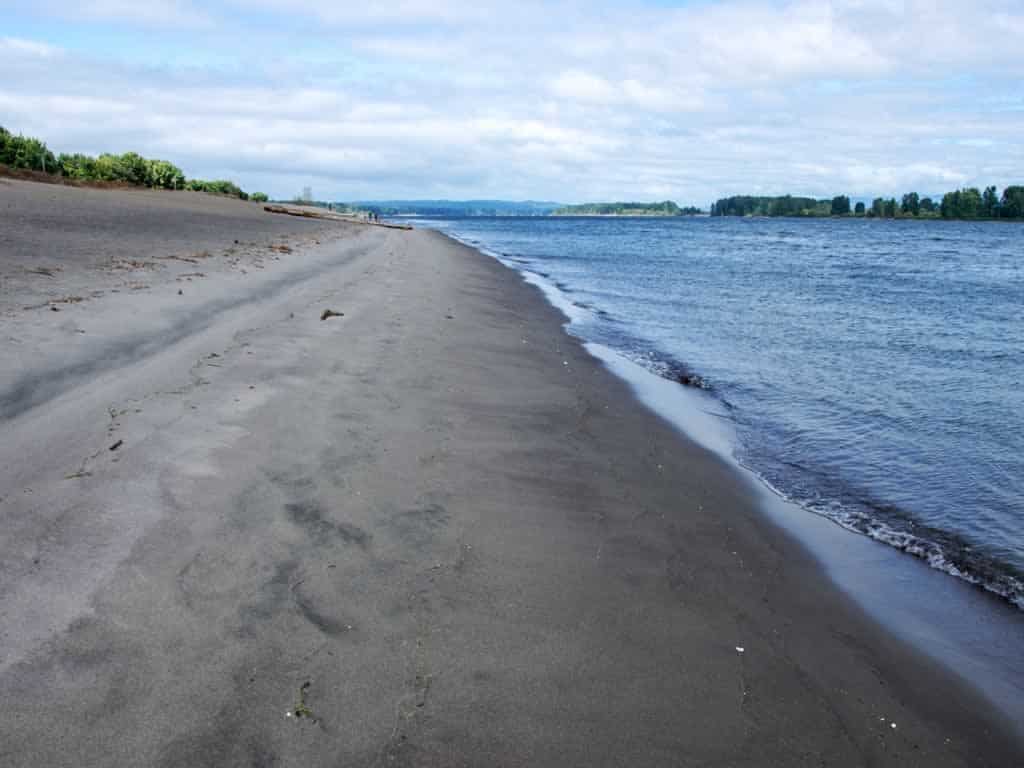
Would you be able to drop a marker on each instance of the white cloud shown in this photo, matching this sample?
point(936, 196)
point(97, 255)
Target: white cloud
point(747, 43)
point(892, 179)
point(14, 47)
point(596, 100)
point(586, 88)
point(151, 13)
point(583, 86)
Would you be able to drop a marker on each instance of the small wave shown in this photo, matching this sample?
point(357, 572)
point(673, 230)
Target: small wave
point(938, 549)
point(664, 367)
point(973, 569)
point(688, 378)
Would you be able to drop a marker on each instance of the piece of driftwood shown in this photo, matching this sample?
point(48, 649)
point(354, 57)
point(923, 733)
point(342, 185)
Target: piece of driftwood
point(296, 212)
point(306, 214)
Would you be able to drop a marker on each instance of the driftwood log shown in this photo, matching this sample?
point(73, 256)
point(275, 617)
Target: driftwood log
point(307, 214)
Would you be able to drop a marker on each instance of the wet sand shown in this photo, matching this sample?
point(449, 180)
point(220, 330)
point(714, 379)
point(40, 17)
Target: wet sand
point(431, 531)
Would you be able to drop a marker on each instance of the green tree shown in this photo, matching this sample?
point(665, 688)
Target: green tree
point(1012, 204)
point(927, 205)
point(989, 203)
point(258, 197)
point(911, 204)
point(950, 205)
point(878, 207)
point(970, 203)
point(840, 205)
point(890, 208)
point(858, 209)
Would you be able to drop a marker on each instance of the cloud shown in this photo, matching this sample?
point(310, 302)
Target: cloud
point(750, 43)
point(396, 13)
point(151, 13)
point(926, 176)
point(13, 48)
point(579, 101)
point(583, 86)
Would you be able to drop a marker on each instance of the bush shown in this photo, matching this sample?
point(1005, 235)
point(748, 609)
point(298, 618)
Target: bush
point(258, 197)
point(130, 168)
point(218, 187)
point(107, 168)
point(24, 152)
point(164, 175)
point(77, 166)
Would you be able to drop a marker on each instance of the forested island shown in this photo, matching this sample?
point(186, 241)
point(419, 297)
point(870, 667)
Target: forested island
point(968, 203)
point(666, 208)
point(32, 156)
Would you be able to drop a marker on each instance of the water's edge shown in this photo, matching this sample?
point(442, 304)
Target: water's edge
point(941, 550)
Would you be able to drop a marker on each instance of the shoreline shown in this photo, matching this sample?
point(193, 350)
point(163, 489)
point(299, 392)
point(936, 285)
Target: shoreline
point(927, 608)
point(925, 611)
point(437, 522)
point(772, 510)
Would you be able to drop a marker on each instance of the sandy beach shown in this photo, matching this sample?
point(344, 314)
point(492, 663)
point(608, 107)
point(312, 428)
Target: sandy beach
point(430, 530)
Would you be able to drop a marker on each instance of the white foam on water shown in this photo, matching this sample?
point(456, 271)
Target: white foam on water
point(692, 411)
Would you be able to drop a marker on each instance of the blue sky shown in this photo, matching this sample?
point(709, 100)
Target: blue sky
point(568, 101)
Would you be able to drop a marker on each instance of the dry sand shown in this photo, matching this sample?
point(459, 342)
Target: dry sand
point(432, 531)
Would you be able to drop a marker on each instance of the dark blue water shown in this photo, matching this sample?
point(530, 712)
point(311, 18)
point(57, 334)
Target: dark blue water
point(872, 370)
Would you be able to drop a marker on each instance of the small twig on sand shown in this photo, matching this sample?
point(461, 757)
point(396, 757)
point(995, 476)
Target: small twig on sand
point(82, 471)
point(51, 302)
point(330, 313)
point(179, 258)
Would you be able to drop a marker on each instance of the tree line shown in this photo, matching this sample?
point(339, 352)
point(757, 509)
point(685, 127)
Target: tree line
point(967, 203)
point(666, 208)
point(24, 152)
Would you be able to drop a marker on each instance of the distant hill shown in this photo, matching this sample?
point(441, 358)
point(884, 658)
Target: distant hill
point(666, 208)
point(455, 207)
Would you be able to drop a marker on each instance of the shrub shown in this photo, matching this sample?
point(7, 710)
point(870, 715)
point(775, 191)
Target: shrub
point(164, 175)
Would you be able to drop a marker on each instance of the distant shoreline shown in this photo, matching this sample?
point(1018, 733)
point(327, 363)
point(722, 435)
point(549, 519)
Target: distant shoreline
point(626, 215)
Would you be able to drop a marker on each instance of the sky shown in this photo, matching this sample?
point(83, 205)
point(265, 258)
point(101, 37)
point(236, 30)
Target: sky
point(564, 101)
